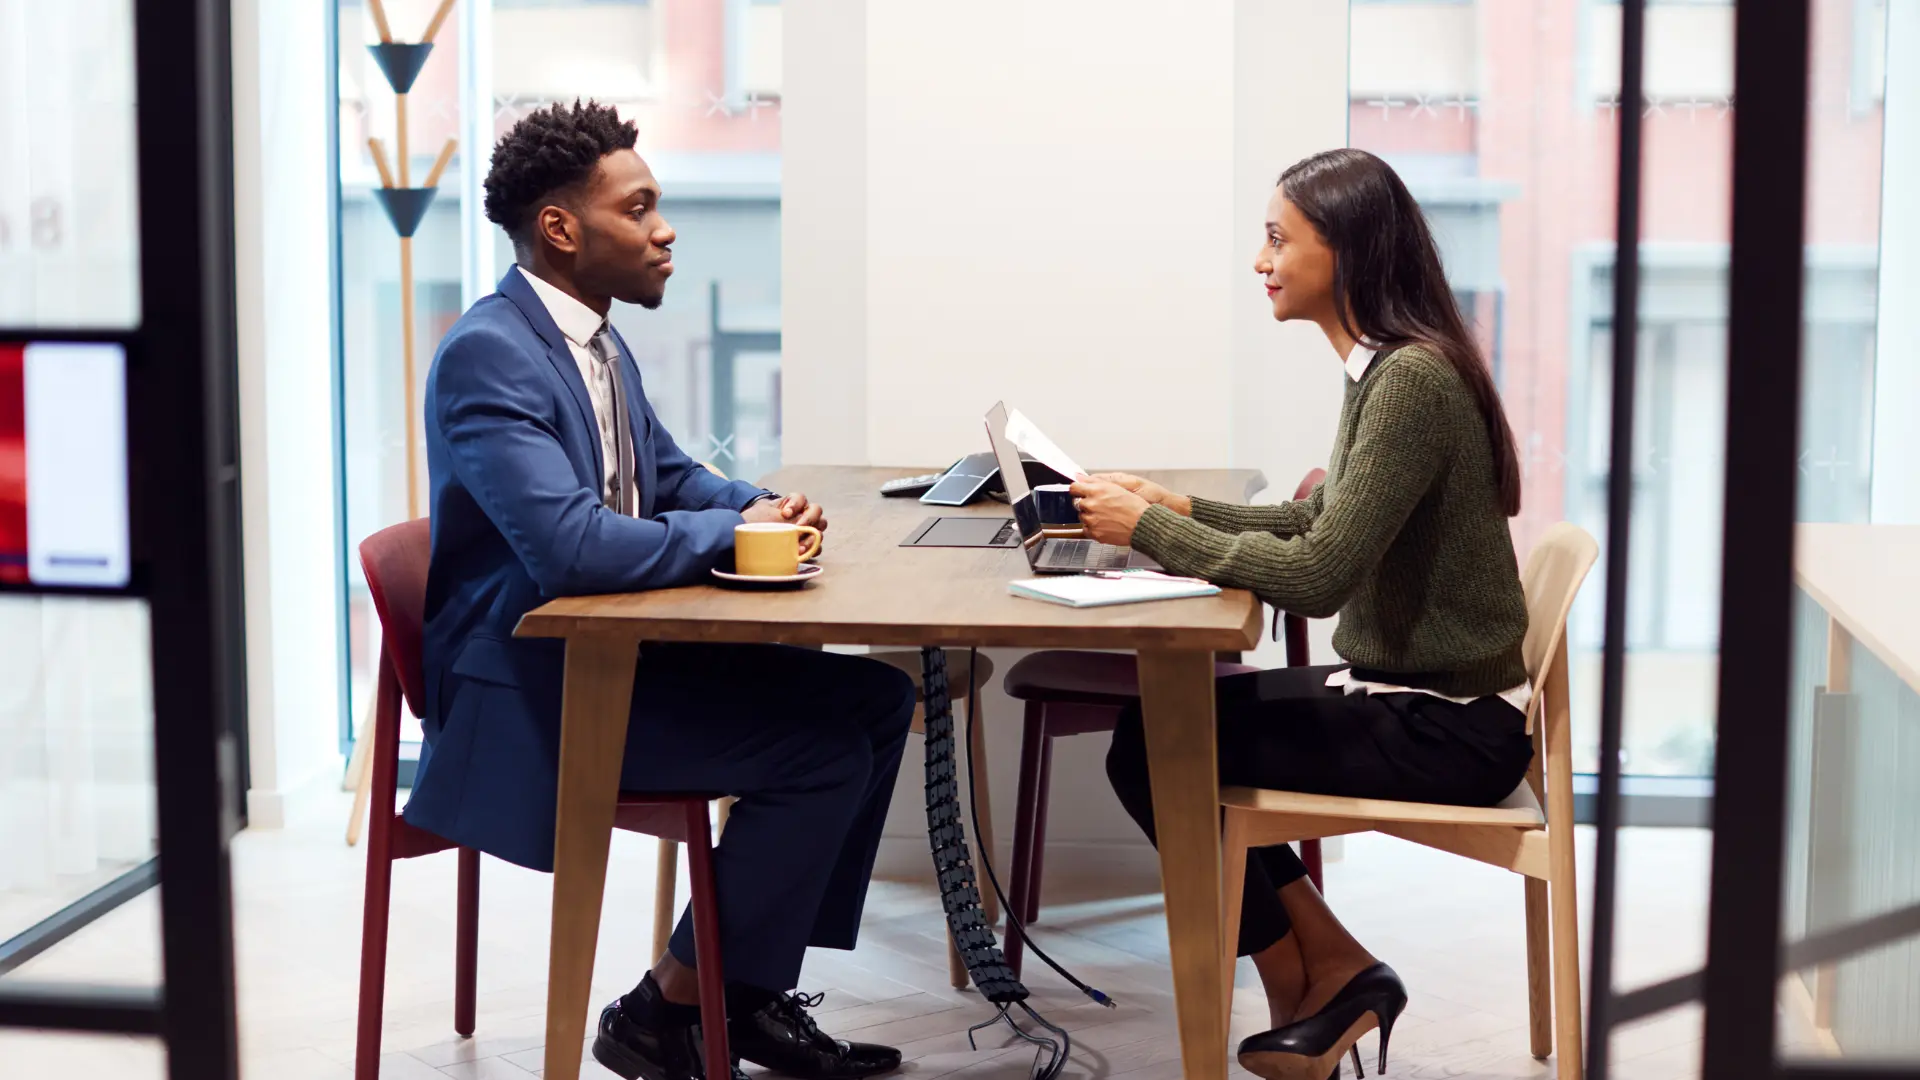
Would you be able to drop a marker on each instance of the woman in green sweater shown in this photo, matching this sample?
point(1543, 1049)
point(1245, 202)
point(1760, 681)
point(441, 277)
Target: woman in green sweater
point(1406, 541)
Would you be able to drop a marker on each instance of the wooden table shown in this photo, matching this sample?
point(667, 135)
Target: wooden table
point(875, 592)
point(1867, 579)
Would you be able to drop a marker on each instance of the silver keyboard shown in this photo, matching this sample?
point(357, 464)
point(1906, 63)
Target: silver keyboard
point(1085, 555)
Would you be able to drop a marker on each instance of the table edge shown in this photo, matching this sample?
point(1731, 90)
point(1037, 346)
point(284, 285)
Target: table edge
point(1213, 639)
point(1905, 667)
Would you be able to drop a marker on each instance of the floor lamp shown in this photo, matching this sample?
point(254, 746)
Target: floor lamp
point(406, 206)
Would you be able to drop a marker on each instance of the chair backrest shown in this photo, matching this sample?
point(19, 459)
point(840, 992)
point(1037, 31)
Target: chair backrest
point(395, 561)
point(1555, 570)
point(1308, 483)
point(1296, 626)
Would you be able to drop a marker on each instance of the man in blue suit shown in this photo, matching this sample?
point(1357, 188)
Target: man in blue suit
point(552, 476)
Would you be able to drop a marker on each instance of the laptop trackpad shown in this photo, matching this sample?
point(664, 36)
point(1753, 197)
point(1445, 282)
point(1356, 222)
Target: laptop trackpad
point(965, 532)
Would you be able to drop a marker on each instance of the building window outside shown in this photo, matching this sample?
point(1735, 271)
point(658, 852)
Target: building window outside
point(1507, 132)
point(700, 78)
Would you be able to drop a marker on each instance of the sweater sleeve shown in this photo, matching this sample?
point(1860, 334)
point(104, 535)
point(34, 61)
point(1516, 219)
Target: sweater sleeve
point(1400, 445)
point(1283, 519)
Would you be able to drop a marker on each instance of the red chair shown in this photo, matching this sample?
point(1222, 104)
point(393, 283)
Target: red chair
point(1070, 692)
point(395, 561)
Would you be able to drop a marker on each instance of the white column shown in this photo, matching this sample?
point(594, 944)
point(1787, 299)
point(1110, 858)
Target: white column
point(478, 274)
point(1288, 104)
point(288, 520)
point(1896, 380)
point(823, 232)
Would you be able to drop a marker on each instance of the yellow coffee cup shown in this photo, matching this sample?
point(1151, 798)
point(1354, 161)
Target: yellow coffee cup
point(771, 548)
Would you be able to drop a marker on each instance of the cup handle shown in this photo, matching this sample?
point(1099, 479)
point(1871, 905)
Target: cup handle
point(815, 549)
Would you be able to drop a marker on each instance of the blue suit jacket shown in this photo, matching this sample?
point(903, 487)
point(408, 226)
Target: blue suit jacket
point(514, 457)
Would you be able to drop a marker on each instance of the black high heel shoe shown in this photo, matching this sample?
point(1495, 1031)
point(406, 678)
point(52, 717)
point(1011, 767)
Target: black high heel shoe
point(1311, 1048)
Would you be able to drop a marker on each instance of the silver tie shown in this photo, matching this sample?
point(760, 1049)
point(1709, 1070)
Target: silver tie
point(606, 354)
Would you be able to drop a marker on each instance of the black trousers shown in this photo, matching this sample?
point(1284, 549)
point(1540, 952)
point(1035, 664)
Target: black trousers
point(1285, 729)
point(810, 742)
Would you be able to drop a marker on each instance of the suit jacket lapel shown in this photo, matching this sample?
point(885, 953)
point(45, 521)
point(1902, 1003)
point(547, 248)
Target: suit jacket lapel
point(643, 455)
point(515, 288)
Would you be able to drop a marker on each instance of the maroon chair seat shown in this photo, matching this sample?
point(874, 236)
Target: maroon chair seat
point(1071, 676)
point(395, 560)
point(1072, 692)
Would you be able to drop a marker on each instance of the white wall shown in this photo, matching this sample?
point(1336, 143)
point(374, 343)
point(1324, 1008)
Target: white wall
point(1896, 386)
point(1049, 218)
point(1059, 204)
point(823, 233)
point(1284, 110)
point(286, 429)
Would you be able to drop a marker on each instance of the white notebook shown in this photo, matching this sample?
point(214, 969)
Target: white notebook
point(1129, 587)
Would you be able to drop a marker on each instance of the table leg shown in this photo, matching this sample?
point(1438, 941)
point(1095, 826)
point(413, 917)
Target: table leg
point(1176, 688)
point(593, 739)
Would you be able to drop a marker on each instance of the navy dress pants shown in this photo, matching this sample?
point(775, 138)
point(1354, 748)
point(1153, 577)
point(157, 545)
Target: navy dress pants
point(809, 742)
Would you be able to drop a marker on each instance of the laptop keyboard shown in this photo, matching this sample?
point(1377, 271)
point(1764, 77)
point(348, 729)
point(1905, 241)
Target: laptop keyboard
point(1004, 538)
point(1086, 555)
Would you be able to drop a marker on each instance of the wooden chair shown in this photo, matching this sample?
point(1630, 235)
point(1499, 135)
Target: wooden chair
point(395, 560)
point(1073, 692)
point(960, 679)
point(1514, 835)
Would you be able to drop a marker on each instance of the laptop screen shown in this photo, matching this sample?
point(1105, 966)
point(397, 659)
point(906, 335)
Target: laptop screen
point(1026, 512)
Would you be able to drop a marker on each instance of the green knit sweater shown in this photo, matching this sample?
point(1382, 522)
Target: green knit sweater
point(1405, 540)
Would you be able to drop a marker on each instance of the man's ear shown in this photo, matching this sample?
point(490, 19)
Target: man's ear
point(558, 227)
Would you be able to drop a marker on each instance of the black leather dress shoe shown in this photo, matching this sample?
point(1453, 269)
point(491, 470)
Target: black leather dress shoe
point(642, 1051)
point(782, 1037)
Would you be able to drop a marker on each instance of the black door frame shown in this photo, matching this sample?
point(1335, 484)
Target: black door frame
point(1745, 955)
point(184, 517)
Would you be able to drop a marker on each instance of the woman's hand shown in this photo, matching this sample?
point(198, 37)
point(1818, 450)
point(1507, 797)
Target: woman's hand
point(1108, 510)
point(1150, 491)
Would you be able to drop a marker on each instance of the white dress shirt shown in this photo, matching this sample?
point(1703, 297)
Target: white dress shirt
point(1357, 363)
point(579, 323)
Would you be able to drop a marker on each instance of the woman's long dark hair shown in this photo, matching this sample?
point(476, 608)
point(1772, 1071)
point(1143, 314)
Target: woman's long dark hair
point(1387, 280)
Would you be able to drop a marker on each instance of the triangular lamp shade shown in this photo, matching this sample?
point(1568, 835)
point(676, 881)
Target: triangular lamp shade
point(405, 206)
point(401, 63)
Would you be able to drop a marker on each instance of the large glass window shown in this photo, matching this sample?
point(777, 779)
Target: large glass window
point(1504, 120)
point(1853, 831)
point(701, 79)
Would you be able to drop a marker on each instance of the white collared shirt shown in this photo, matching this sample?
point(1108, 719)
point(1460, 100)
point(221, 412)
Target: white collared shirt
point(579, 323)
point(1360, 359)
point(1357, 363)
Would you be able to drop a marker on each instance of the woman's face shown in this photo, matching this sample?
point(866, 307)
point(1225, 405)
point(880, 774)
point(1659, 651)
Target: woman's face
point(1295, 263)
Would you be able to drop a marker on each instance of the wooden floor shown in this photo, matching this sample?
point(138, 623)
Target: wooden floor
point(1459, 948)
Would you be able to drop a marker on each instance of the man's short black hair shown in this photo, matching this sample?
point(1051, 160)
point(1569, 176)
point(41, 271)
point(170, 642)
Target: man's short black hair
point(550, 150)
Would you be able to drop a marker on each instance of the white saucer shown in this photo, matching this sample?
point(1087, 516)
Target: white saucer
point(807, 572)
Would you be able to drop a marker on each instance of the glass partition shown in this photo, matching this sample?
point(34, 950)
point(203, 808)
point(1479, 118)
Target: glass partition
point(1853, 820)
point(76, 760)
point(69, 229)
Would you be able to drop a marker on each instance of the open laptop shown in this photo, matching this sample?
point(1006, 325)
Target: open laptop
point(1050, 554)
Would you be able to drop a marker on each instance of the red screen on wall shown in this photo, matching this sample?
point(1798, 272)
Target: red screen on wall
point(13, 463)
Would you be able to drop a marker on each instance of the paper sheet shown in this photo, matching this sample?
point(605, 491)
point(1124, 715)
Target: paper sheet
point(1022, 433)
point(1085, 590)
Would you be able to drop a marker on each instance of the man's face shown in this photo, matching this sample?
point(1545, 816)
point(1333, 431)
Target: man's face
point(624, 248)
